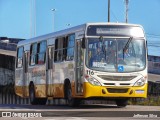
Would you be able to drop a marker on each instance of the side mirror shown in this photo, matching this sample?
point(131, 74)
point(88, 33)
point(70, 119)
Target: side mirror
point(101, 39)
point(83, 43)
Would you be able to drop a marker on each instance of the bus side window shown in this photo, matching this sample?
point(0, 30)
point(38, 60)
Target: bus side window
point(60, 49)
point(56, 48)
point(33, 54)
point(64, 48)
point(59, 53)
point(19, 57)
point(41, 52)
point(65, 44)
point(70, 47)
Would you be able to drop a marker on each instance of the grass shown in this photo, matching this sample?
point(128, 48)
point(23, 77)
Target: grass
point(150, 101)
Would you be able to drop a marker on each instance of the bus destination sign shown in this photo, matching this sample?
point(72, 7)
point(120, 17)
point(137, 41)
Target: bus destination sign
point(110, 30)
point(114, 30)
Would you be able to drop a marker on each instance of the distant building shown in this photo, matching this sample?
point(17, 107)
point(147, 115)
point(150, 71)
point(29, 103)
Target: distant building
point(7, 68)
point(8, 52)
point(8, 45)
point(154, 64)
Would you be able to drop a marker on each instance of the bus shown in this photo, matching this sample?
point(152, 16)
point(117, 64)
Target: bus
point(102, 61)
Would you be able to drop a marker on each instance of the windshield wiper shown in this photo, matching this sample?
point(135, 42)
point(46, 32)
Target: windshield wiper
point(127, 45)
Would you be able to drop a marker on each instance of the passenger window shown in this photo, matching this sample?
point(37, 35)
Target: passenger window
point(19, 57)
point(38, 53)
point(65, 44)
point(70, 48)
point(41, 53)
point(33, 52)
point(59, 50)
point(56, 49)
point(64, 48)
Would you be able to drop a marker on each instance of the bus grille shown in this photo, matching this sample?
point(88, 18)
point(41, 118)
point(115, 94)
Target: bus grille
point(117, 78)
point(113, 90)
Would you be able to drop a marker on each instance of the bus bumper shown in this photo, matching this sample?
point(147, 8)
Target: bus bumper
point(111, 92)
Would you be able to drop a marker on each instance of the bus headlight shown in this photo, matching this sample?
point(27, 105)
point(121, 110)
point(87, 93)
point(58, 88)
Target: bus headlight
point(140, 82)
point(93, 81)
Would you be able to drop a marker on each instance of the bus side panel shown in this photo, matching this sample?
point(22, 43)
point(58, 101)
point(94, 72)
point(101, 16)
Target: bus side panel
point(37, 74)
point(61, 72)
point(19, 82)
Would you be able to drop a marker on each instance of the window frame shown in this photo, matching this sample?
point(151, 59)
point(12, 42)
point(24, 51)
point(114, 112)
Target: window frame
point(70, 58)
point(43, 52)
point(36, 52)
point(20, 57)
point(33, 55)
point(62, 47)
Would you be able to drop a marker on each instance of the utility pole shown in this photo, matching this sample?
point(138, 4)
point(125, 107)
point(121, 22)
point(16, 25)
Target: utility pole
point(53, 10)
point(34, 10)
point(33, 19)
point(126, 10)
point(108, 10)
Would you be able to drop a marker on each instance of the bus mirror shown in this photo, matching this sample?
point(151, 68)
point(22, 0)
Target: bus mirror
point(101, 39)
point(83, 43)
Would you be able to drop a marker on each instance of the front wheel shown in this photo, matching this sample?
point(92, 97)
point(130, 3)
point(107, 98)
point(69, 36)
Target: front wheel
point(122, 102)
point(73, 102)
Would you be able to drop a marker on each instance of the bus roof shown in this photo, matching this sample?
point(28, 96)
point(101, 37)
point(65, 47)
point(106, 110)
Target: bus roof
point(112, 23)
point(68, 31)
point(52, 35)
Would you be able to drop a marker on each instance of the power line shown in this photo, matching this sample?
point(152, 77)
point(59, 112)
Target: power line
point(152, 37)
point(152, 34)
point(114, 15)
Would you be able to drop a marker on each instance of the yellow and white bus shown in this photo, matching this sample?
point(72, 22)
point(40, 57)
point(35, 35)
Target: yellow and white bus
point(89, 61)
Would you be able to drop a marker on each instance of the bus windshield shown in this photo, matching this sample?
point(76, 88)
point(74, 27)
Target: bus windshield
point(116, 54)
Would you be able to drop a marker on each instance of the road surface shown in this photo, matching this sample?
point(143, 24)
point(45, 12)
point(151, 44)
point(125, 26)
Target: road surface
point(84, 112)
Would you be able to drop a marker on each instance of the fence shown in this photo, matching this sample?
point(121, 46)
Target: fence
point(154, 64)
point(7, 94)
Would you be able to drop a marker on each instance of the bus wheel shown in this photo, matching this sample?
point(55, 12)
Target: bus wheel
point(73, 102)
point(122, 102)
point(32, 97)
point(41, 101)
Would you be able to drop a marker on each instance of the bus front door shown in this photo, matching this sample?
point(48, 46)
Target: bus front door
point(79, 68)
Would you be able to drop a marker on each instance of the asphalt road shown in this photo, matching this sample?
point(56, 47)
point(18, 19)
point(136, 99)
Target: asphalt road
point(84, 112)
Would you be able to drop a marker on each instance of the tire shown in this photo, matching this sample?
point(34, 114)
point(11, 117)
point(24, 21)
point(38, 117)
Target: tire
point(33, 99)
point(41, 101)
point(122, 102)
point(72, 102)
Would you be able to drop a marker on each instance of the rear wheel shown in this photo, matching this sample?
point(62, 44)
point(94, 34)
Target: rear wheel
point(41, 101)
point(33, 99)
point(122, 102)
point(73, 102)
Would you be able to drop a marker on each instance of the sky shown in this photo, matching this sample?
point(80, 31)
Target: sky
point(18, 19)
